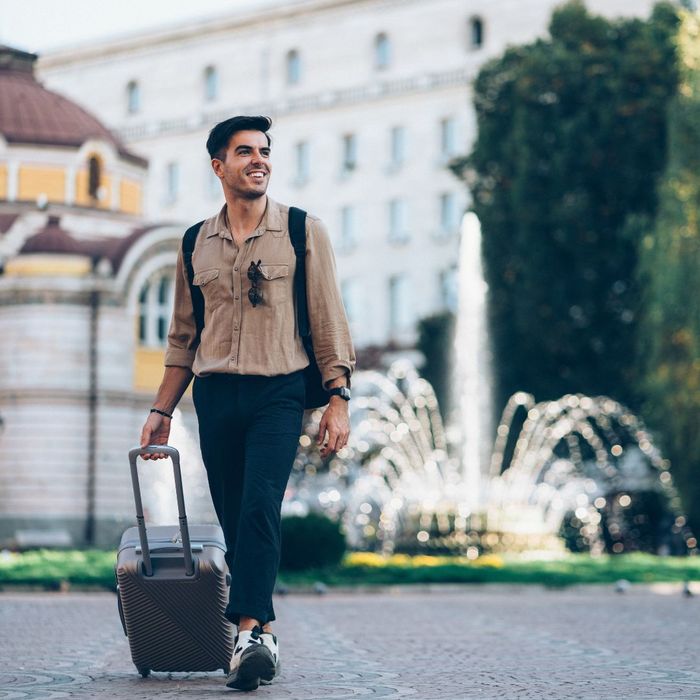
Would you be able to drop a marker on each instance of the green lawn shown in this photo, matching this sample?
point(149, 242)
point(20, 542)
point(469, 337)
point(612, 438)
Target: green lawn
point(51, 569)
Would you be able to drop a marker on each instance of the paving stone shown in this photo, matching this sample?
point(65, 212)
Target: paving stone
point(587, 643)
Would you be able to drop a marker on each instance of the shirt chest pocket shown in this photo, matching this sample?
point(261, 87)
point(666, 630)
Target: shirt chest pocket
point(210, 284)
point(275, 284)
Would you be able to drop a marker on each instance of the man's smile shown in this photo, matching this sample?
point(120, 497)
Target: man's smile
point(258, 175)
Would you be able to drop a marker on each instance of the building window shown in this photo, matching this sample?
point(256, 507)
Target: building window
point(94, 177)
point(397, 146)
point(349, 161)
point(476, 33)
point(348, 230)
point(448, 137)
point(211, 83)
point(382, 51)
point(133, 97)
point(398, 221)
point(449, 288)
point(449, 213)
point(399, 304)
point(293, 67)
point(172, 182)
point(302, 163)
point(155, 309)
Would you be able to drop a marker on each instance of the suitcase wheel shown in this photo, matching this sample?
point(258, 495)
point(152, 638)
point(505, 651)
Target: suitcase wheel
point(145, 672)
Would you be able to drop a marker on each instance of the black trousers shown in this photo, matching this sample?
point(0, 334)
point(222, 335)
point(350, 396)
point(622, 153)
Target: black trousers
point(249, 428)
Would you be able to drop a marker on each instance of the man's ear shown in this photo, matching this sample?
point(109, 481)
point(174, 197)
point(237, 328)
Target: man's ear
point(218, 167)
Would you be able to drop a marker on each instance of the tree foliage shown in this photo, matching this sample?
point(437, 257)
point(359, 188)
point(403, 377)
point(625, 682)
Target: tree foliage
point(571, 141)
point(669, 274)
point(435, 341)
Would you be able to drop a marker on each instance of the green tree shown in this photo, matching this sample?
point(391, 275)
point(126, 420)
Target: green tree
point(435, 341)
point(571, 141)
point(669, 273)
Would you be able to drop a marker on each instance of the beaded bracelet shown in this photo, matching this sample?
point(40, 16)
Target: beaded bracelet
point(162, 413)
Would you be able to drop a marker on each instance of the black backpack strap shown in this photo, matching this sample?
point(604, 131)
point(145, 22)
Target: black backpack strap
point(188, 243)
point(297, 234)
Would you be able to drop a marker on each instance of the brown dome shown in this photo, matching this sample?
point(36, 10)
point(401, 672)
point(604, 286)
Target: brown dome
point(52, 239)
point(31, 114)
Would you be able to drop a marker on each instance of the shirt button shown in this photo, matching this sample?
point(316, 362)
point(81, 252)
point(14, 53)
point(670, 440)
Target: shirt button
point(235, 269)
point(235, 328)
point(236, 296)
point(233, 359)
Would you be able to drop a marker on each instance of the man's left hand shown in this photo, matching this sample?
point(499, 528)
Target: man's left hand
point(336, 423)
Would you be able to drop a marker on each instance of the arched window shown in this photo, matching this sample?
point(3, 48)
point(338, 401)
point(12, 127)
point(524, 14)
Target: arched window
point(293, 67)
point(476, 33)
point(211, 83)
point(155, 308)
point(94, 177)
point(382, 51)
point(133, 97)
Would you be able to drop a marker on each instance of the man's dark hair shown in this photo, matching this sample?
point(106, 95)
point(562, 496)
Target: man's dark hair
point(221, 134)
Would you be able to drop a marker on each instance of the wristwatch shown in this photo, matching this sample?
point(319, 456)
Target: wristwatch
point(341, 391)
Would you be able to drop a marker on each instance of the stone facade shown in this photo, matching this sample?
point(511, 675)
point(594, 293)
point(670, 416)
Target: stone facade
point(324, 70)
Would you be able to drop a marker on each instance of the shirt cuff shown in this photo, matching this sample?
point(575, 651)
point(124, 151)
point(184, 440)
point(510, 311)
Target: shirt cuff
point(178, 357)
point(339, 369)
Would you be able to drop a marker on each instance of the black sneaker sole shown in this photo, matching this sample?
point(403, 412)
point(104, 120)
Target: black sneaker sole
point(256, 661)
point(268, 679)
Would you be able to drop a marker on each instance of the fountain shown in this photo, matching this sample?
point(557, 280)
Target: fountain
point(580, 470)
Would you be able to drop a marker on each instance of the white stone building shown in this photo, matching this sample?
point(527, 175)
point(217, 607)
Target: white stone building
point(370, 99)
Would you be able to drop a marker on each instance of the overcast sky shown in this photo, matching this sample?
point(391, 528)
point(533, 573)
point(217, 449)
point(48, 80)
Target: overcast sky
point(41, 25)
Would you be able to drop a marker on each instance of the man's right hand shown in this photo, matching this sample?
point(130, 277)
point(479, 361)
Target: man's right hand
point(156, 431)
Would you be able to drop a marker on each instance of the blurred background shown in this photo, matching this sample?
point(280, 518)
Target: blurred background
point(512, 191)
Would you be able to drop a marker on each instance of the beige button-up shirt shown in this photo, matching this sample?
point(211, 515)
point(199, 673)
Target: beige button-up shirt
point(241, 339)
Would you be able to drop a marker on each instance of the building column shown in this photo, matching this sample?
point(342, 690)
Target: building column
point(116, 192)
point(70, 185)
point(12, 180)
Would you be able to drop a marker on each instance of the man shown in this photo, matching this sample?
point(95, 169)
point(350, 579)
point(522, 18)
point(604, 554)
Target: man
point(248, 366)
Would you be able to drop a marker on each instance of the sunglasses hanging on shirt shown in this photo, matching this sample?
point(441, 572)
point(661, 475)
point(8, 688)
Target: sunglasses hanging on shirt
point(255, 275)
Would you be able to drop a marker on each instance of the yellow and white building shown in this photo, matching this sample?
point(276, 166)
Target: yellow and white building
point(85, 298)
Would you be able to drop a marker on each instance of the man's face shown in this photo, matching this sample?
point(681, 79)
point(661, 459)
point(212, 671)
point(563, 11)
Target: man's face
point(246, 169)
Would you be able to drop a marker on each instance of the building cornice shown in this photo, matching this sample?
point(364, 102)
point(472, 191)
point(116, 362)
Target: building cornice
point(201, 30)
point(312, 102)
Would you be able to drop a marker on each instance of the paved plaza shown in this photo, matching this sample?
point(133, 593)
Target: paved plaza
point(450, 643)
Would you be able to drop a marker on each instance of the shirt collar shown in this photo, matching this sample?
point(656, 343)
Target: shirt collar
point(271, 221)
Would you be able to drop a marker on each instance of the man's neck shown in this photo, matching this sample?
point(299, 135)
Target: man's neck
point(244, 215)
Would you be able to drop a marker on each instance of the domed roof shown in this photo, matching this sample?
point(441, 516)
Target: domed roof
point(52, 239)
point(31, 114)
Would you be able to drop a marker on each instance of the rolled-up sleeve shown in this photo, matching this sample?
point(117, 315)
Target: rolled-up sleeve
point(182, 335)
point(330, 332)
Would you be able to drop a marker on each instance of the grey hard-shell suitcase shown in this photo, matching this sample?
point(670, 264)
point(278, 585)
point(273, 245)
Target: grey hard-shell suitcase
point(172, 588)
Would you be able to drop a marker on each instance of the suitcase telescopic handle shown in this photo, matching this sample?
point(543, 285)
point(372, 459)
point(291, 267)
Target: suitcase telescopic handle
point(174, 455)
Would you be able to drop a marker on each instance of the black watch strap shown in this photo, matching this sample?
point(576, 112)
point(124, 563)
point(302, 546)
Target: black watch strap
point(341, 391)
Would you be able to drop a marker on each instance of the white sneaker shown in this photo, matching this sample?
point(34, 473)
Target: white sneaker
point(251, 661)
point(270, 641)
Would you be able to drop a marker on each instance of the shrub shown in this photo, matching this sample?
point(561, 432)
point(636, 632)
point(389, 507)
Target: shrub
point(311, 541)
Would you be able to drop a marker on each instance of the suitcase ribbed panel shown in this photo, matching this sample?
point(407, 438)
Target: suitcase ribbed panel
point(175, 624)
